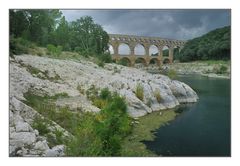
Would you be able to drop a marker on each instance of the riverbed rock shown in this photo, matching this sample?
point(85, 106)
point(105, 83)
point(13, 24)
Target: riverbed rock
point(22, 138)
point(41, 145)
point(56, 151)
point(75, 78)
point(23, 126)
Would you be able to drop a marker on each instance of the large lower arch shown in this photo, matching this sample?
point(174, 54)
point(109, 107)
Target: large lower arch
point(141, 61)
point(154, 61)
point(139, 50)
point(124, 49)
point(125, 61)
point(166, 61)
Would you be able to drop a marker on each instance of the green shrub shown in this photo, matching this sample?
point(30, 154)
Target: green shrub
point(124, 62)
point(40, 125)
point(106, 58)
point(55, 138)
point(139, 92)
point(85, 141)
point(92, 93)
point(19, 46)
point(105, 94)
point(100, 63)
point(113, 125)
point(55, 51)
point(157, 95)
point(100, 103)
point(79, 88)
point(93, 134)
point(172, 74)
point(220, 70)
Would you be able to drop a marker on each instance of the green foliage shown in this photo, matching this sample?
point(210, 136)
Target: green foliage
point(139, 92)
point(220, 69)
point(41, 125)
point(100, 63)
point(55, 138)
point(88, 36)
point(172, 74)
point(214, 45)
point(80, 89)
point(157, 95)
point(100, 103)
point(85, 141)
point(223, 69)
point(34, 25)
point(20, 46)
point(113, 124)
point(55, 51)
point(124, 62)
point(93, 135)
point(92, 93)
point(105, 94)
point(103, 58)
point(49, 27)
point(106, 58)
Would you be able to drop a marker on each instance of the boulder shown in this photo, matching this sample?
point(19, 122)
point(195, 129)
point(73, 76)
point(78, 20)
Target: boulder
point(23, 126)
point(22, 138)
point(56, 151)
point(41, 145)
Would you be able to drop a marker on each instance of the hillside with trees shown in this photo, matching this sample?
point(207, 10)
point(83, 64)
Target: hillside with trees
point(215, 45)
point(49, 28)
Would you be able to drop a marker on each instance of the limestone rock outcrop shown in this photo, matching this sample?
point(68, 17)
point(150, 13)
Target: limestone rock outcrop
point(53, 76)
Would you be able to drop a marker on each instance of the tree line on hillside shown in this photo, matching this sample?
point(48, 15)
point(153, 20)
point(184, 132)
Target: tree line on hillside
point(215, 45)
point(49, 27)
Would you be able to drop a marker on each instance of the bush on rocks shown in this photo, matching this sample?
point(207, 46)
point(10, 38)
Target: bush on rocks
point(139, 92)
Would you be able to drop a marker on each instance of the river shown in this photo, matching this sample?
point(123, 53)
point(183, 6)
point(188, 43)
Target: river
point(201, 129)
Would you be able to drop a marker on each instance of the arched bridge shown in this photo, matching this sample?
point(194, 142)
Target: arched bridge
point(146, 44)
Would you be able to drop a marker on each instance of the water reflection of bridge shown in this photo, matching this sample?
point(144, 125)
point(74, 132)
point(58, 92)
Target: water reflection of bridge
point(131, 42)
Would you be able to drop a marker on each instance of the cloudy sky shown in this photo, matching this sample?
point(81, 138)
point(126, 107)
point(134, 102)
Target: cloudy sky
point(172, 24)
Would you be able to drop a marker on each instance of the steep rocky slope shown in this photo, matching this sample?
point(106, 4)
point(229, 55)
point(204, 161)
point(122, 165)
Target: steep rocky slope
point(46, 76)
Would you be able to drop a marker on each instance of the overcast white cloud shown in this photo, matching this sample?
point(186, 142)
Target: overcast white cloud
point(174, 24)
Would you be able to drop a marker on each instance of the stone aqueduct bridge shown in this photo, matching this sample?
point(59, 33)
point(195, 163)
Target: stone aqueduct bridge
point(115, 40)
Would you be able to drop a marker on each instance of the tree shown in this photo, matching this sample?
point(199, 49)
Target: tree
point(90, 38)
point(45, 27)
point(34, 25)
point(61, 36)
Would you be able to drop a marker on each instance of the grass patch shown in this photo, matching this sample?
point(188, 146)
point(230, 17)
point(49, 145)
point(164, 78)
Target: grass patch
point(220, 69)
point(93, 135)
point(80, 89)
point(40, 74)
point(157, 95)
point(41, 125)
point(139, 92)
point(133, 146)
point(215, 62)
point(172, 74)
point(53, 50)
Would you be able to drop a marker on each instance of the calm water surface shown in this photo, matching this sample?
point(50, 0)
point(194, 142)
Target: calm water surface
point(203, 128)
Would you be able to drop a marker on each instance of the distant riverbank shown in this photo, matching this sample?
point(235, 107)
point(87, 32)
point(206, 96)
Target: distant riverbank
point(213, 69)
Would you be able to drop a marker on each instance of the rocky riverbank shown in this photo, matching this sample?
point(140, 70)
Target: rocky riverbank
point(214, 69)
point(46, 76)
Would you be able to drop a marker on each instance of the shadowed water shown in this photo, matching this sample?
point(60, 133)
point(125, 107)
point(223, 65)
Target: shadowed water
point(203, 128)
